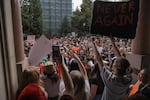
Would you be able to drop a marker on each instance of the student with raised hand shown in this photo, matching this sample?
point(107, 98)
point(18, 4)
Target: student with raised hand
point(116, 82)
point(80, 65)
point(84, 73)
point(74, 83)
point(52, 82)
point(69, 88)
point(116, 50)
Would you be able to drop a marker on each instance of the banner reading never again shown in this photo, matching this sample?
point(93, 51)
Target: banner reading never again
point(116, 18)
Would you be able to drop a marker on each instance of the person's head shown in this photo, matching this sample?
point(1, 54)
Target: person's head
point(30, 75)
point(120, 66)
point(74, 65)
point(50, 71)
point(144, 76)
point(77, 79)
point(49, 68)
point(79, 85)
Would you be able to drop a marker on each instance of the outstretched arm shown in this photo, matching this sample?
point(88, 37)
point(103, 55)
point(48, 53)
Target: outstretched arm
point(98, 56)
point(116, 50)
point(81, 66)
point(66, 77)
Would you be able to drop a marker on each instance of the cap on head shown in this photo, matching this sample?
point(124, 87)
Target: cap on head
point(49, 67)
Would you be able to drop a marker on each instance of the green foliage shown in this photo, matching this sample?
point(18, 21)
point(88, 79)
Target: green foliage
point(65, 27)
point(81, 19)
point(31, 12)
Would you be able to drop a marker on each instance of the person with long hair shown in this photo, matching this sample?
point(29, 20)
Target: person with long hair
point(75, 84)
point(116, 81)
point(31, 87)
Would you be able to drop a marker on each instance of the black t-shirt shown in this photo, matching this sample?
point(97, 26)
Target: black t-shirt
point(145, 90)
point(99, 83)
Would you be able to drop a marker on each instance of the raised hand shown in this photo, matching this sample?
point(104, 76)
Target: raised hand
point(116, 50)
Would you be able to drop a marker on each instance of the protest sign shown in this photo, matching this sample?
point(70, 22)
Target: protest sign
point(116, 18)
point(41, 48)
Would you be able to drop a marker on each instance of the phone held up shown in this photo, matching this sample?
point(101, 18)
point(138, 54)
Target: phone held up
point(56, 53)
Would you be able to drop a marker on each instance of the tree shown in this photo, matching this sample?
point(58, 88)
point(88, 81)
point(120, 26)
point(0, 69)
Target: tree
point(81, 19)
point(65, 27)
point(32, 17)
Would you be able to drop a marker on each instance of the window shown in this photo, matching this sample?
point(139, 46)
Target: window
point(47, 1)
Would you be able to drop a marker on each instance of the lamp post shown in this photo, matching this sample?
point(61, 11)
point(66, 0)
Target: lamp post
point(84, 24)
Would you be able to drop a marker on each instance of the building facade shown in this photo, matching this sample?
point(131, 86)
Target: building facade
point(53, 12)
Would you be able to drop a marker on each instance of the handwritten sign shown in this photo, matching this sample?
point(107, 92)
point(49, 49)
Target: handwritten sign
point(41, 48)
point(116, 18)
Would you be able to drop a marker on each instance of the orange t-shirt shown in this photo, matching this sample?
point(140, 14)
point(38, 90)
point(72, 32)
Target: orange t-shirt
point(134, 89)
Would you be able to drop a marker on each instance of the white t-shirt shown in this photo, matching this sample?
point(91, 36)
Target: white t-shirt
point(87, 88)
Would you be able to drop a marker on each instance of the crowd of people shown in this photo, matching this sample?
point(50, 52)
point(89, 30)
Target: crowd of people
point(86, 68)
